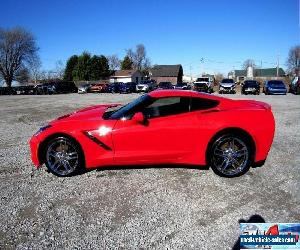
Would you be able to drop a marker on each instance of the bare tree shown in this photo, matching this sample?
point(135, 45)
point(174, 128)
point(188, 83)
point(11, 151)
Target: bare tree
point(59, 69)
point(113, 62)
point(293, 61)
point(17, 48)
point(23, 76)
point(218, 77)
point(139, 57)
point(248, 63)
point(35, 69)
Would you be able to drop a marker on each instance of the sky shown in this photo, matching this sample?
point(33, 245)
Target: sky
point(203, 35)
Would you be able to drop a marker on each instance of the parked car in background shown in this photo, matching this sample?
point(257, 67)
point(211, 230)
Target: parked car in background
point(182, 86)
point(50, 88)
point(295, 85)
point(7, 91)
point(227, 86)
point(84, 88)
point(65, 87)
point(274, 87)
point(146, 86)
point(127, 87)
point(250, 87)
point(165, 85)
point(23, 90)
point(113, 87)
point(98, 88)
point(203, 84)
point(44, 89)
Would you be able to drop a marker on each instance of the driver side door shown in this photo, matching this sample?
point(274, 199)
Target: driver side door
point(166, 136)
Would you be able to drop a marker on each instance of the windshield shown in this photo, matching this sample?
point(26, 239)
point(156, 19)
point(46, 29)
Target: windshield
point(202, 79)
point(128, 109)
point(227, 81)
point(250, 83)
point(276, 84)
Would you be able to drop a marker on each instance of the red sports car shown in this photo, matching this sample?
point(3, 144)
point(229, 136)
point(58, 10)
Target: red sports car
point(161, 127)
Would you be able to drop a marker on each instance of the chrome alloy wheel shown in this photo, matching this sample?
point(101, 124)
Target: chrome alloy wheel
point(230, 156)
point(62, 157)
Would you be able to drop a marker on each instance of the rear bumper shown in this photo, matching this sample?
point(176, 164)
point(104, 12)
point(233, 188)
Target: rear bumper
point(34, 145)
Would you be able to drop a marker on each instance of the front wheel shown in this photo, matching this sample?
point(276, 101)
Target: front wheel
point(63, 157)
point(230, 156)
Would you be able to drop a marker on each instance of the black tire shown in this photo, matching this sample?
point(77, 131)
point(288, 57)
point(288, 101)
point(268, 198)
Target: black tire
point(63, 157)
point(230, 155)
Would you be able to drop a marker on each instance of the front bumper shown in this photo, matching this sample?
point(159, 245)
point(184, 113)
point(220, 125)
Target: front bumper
point(142, 89)
point(251, 91)
point(34, 145)
point(227, 90)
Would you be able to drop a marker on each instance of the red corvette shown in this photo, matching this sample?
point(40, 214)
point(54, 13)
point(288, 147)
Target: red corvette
point(161, 127)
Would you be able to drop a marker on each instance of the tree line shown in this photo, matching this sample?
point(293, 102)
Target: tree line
point(87, 67)
point(19, 61)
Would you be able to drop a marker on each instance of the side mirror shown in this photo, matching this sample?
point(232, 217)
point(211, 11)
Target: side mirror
point(138, 117)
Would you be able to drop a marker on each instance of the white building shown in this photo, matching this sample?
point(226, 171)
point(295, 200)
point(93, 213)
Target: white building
point(127, 76)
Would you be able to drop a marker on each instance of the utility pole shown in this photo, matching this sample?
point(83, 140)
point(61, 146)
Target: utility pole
point(277, 65)
point(260, 68)
point(191, 73)
point(201, 66)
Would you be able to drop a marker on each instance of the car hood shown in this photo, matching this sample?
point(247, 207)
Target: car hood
point(226, 85)
point(88, 113)
point(202, 82)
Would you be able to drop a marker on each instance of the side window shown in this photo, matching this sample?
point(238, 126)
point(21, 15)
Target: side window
point(167, 106)
point(202, 104)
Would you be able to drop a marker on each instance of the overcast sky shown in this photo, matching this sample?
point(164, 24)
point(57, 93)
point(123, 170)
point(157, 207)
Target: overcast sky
point(211, 36)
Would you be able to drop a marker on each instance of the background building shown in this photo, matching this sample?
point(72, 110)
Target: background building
point(262, 74)
point(167, 73)
point(127, 76)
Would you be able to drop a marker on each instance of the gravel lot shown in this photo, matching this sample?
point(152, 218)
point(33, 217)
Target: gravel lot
point(136, 208)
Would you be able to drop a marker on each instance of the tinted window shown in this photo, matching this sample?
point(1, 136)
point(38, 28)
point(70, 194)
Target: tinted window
point(227, 81)
point(276, 84)
point(167, 106)
point(203, 79)
point(202, 104)
point(250, 83)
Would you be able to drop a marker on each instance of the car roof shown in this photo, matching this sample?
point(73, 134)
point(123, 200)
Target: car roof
point(183, 93)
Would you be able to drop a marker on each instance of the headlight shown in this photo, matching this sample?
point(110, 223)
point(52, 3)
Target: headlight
point(42, 129)
point(221, 88)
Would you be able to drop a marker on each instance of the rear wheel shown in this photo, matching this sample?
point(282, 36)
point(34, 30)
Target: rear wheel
point(230, 156)
point(63, 157)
